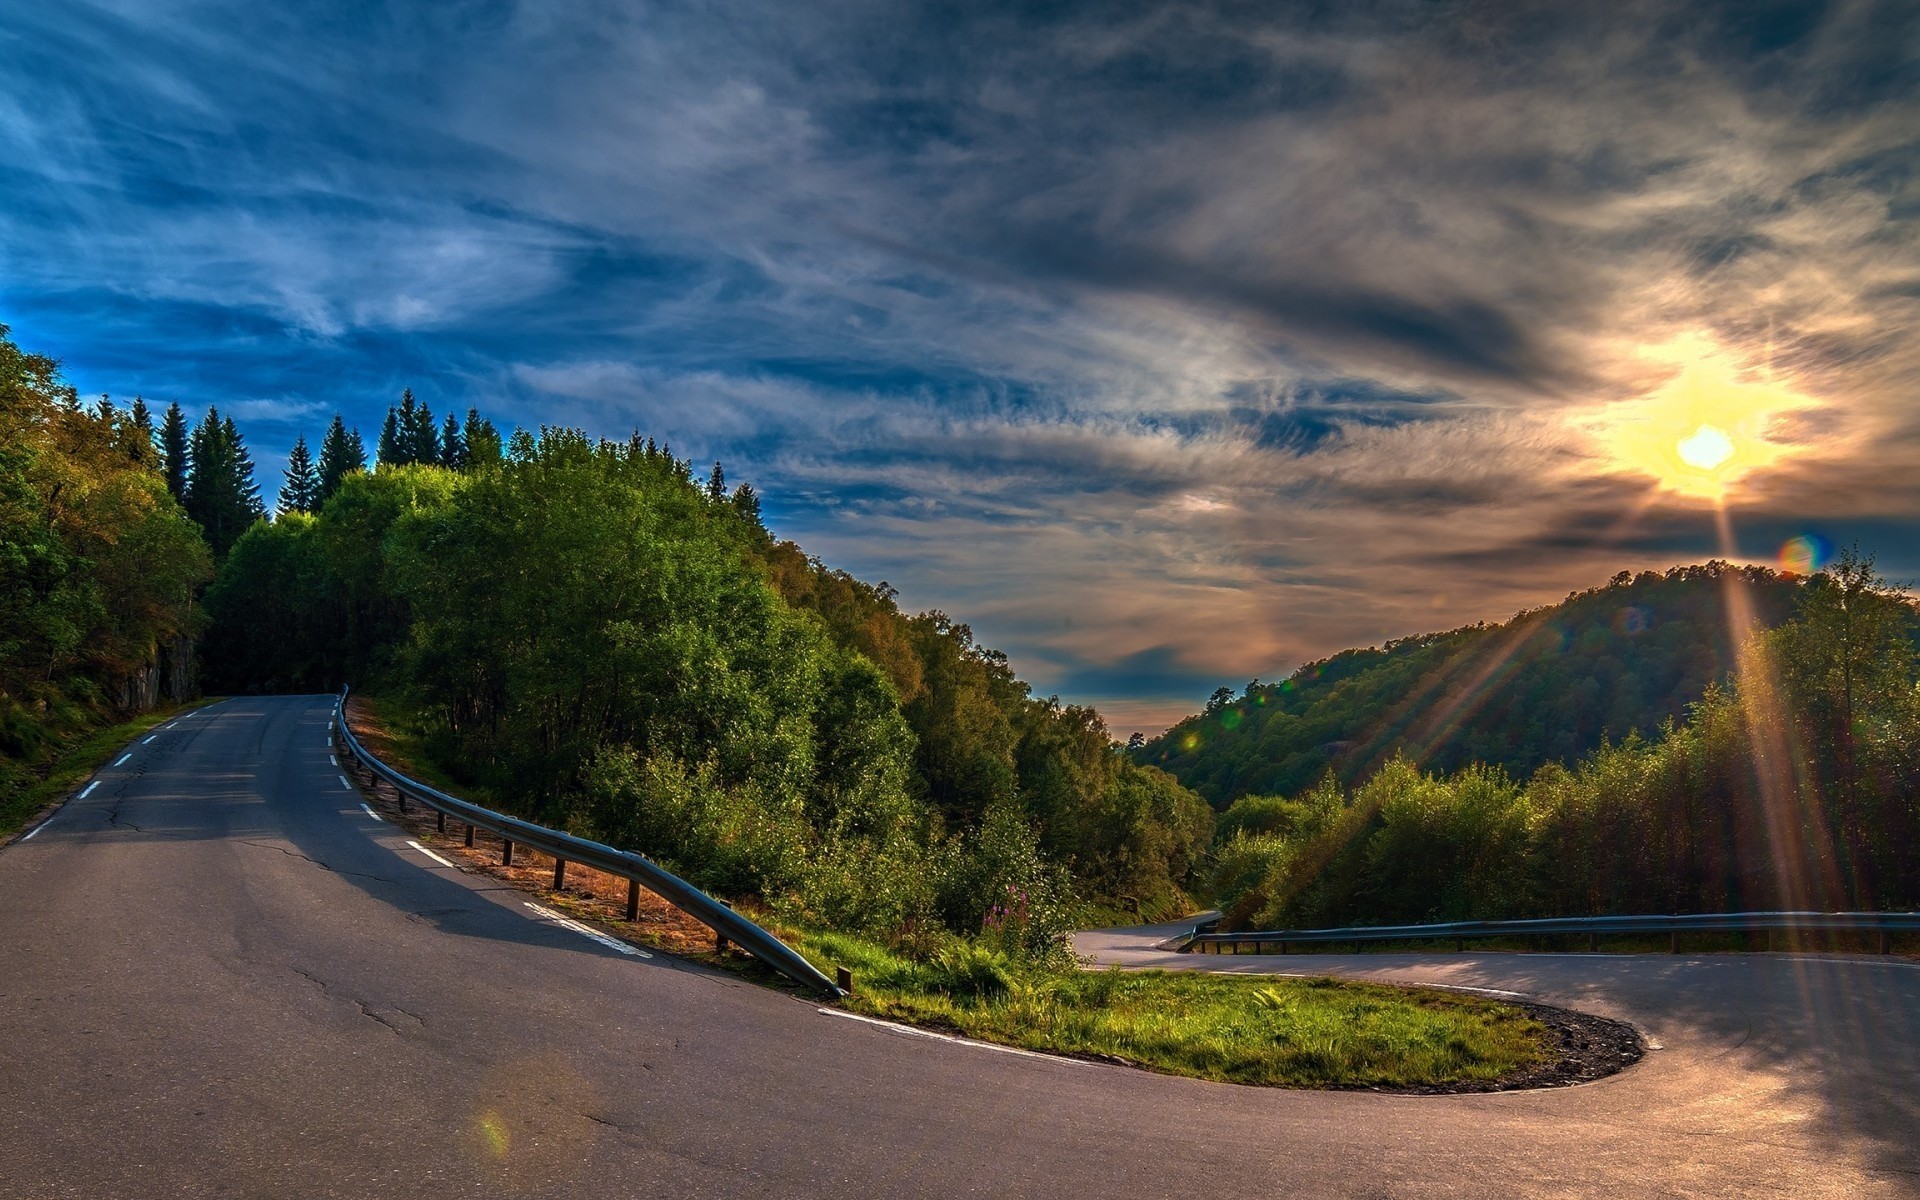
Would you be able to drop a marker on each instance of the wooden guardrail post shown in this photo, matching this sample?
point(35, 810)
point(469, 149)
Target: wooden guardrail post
point(633, 899)
point(506, 851)
point(559, 874)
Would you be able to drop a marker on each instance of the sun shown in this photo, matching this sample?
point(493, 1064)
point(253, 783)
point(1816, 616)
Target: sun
point(1706, 427)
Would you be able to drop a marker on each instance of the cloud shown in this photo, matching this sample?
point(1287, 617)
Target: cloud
point(1238, 334)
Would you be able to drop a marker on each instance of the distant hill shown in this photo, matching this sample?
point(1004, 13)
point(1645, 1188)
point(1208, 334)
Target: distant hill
point(1548, 685)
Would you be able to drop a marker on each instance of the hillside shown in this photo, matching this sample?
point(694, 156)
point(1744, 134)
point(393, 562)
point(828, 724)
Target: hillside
point(1549, 685)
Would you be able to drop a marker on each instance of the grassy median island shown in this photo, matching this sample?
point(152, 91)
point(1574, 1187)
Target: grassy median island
point(1250, 1029)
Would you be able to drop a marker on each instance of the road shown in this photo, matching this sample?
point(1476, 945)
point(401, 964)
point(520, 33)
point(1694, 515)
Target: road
point(224, 978)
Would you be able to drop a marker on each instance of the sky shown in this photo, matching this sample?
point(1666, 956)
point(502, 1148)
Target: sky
point(1167, 345)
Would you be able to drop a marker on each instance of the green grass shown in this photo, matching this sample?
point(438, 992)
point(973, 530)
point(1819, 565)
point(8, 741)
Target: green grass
point(78, 761)
point(1236, 1029)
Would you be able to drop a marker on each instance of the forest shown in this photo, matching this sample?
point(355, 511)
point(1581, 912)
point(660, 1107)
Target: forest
point(1791, 782)
point(606, 639)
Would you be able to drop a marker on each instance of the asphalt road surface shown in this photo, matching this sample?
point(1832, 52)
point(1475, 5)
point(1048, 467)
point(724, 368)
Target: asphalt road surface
point(223, 978)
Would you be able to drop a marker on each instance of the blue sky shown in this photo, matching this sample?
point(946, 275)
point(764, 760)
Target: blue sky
point(1168, 345)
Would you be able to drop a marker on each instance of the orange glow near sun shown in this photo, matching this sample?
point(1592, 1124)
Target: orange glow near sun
point(1704, 429)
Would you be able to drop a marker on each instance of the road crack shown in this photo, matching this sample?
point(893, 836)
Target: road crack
point(316, 862)
point(375, 1013)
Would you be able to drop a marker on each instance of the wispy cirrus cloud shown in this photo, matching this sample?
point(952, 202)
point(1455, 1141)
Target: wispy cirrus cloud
point(1170, 345)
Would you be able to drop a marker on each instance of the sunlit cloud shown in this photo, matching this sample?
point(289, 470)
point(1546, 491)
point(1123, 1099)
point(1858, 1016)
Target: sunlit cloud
point(1169, 346)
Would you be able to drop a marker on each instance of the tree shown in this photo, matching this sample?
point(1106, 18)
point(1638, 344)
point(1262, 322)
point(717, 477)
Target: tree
point(392, 447)
point(417, 431)
point(453, 448)
point(301, 493)
point(221, 494)
point(481, 441)
point(717, 484)
point(141, 417)
point(174, 457)
point(341, 454)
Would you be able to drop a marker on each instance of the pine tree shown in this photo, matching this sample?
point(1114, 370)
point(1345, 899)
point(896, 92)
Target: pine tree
point(301, 492)
point(746, 502)
point(141, 418)
point(481, 440)
point(453, 448)
point(417, 430)
point(392, 447)
point(341, 454)
point(173, 449)
point(717, 484)
point(220, 493)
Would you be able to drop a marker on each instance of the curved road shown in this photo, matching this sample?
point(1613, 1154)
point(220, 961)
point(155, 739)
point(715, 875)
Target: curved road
point(223, 978)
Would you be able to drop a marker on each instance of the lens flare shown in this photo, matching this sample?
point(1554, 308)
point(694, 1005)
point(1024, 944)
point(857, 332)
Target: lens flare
point(1805, 554)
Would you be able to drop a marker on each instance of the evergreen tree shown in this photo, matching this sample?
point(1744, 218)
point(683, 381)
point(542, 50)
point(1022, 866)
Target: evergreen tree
point(341, 454)
point(144, 451)
point(392, 445)
point(173, 450)
point(717, 484)
point(480, 440)
point(453, 448)
point(417, 430)
point(221, 494)
point(746, 502)
point(301, 492)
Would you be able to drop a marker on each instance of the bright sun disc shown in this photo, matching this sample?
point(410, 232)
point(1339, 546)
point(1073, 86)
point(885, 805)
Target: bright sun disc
point(1707, 427)
point(1707, 449)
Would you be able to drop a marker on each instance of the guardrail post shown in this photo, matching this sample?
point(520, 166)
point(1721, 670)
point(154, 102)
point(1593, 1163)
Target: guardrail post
point(844, 979)
point(1886, 942)
point(506, 851)
point(469, 835)
point(1593, 943)
point(1673, 942)
point(1460, 945)
point(720, 939)
point(633, 899)
point(559, 874)
point(439, 821)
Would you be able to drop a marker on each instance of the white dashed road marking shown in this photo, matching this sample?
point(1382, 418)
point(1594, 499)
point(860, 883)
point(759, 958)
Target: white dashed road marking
point(376, 816)
point(430, 854)
point(585, 930)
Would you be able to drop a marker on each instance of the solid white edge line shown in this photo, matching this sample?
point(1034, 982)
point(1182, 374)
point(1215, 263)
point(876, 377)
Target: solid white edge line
point(344, 783)
point(123, 759)
point(958, 1041)
point(586, 931)
point(376, 816)
point(89, 791)
point(422, 849)
point(36, 830)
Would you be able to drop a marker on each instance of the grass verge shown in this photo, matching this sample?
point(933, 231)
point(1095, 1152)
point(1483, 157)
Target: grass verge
point(1238, 1029)
point(77, 762)
point(1268, 1031)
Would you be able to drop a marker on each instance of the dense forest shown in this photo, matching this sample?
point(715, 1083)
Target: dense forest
point(99, 565)
point(617, 646)
point(1547, 686)
point(1793, 782)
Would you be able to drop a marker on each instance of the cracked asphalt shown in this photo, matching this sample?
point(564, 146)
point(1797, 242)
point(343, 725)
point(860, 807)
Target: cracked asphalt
point(223, 979)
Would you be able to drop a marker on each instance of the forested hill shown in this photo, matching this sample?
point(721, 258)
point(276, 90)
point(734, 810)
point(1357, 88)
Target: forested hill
point(1547, 686)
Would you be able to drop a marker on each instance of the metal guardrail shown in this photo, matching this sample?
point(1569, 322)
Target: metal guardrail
point(1204, 939)
point(565, 848)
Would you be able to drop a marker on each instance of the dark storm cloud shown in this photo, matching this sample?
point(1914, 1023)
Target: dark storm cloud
point(1239, 332)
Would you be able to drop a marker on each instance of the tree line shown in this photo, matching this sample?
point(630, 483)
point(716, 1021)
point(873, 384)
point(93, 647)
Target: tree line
point(1791, 783)
point(615, 645)
point(99, 566)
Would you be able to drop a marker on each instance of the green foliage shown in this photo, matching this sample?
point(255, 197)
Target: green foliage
point(221, 495)
point(341, 454)
point(98, 566)
point(1548, 686)
point(1241, 1029)
point(301, 492)
point(1800, 793)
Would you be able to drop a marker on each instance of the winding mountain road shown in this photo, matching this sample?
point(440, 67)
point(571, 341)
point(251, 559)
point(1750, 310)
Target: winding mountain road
point(223, 977)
